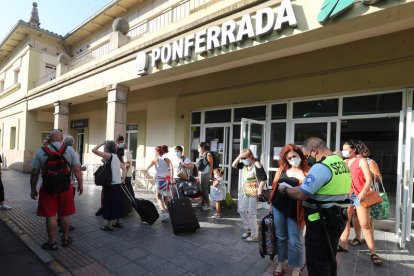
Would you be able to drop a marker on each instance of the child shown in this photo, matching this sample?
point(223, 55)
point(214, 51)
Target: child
point(217, 191)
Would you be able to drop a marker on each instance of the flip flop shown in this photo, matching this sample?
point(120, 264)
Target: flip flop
point(107, 228)
point(341, 249)
point(375, 259)
point(66, 242)
point(355, 242)
point(118, 225)
point(50, 246)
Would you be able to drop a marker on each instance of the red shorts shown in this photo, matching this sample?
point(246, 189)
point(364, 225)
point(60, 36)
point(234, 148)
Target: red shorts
point(52, 204)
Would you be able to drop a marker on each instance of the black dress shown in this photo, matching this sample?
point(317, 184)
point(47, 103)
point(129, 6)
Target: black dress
point(283, 202)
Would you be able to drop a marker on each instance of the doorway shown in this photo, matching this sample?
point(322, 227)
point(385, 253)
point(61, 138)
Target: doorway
point(80, 138)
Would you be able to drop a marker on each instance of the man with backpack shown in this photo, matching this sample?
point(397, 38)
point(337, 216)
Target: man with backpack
point(56, 162)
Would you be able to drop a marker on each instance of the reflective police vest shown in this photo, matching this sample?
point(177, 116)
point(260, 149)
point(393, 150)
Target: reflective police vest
point(341, 180)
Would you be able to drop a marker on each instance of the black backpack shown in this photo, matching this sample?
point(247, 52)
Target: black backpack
point(56, 171)
point(203, 162)
point(103, 175)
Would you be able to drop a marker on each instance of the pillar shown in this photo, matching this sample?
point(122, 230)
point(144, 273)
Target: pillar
point(116, 111)
point(61, 117)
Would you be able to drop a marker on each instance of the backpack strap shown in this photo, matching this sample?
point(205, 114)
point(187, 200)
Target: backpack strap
point(61, 151)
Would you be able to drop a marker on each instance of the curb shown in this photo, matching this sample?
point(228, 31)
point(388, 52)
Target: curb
point(43, 255)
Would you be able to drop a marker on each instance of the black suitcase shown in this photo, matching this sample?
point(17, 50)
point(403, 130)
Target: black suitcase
point(144, 208)
point(182, 216)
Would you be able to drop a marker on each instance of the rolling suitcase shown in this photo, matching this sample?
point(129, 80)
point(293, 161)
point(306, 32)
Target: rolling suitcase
point(267, 237)
point(144, 208)
point(182, 216)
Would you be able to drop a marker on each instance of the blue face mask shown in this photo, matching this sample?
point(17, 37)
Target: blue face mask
point(246, 162)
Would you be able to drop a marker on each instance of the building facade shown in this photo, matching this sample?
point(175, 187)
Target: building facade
point(234, 73)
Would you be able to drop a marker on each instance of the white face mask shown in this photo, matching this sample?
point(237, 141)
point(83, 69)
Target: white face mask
point(199, 150)
point(216, 176)
point(246, 162)
point(345, 153)
point(295, 162)
point(178, 154)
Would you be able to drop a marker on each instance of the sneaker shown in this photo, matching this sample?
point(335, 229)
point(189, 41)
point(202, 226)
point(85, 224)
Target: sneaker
point(216, 216)
point(251, 239)
point(206, 207)
point(165, 217)
point(100, 212)
point(246, 235)
point(5, 207)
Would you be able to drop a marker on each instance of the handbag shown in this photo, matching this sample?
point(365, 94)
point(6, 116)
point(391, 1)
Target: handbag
point(103, 175)
point(250, 188)
point(371, 198)
point(381, 210)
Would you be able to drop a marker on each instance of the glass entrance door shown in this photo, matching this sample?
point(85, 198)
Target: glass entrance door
point(219, 138)
point(253, 134)
point(327, 131)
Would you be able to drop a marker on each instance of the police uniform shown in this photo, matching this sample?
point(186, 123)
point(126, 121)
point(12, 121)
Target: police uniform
point(327, 183)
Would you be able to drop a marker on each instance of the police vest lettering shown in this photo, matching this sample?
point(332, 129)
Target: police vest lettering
point(262, 23)
point(340, 183)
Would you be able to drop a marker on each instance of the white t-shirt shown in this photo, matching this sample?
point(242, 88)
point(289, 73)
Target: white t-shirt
point(162, 169)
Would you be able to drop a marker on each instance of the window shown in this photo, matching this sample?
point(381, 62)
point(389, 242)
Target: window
point(277, 141)
point(279, 111)
point(319, 108)
point(255, 113)
point(195, 141)
point(196, 118)
point(12, 137)
point(379, 103)
point(218, 116)
point(16, 76)
point(131, 139)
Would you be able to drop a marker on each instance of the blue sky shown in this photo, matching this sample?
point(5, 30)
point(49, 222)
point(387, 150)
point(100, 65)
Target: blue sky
point(59, 16)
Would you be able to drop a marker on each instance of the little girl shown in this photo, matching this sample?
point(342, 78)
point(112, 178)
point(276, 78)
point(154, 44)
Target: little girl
point(217, 191)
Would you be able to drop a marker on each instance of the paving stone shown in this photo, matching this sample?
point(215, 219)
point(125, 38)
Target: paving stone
point(129, 269)
point(134, 253)
point(114, 261)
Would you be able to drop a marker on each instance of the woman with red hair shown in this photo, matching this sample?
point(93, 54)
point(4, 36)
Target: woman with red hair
point(288, 212)
point(163, 176)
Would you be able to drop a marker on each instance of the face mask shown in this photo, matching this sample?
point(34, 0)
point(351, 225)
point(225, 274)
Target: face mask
point(216, 176)
point(120, 145)
point(178, 154)
point(199, 150)
point(311, 160)
point(295, 162)
point(246, 162)
point(345, 153)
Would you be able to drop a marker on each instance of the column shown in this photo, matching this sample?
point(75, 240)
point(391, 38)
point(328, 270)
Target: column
point(61, 117)
point(116, 111)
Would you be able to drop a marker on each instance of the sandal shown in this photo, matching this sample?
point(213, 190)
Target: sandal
point(341, 249)
point(107, 228)
point(48, 246)
point(118, 225)
point(355, 242)
point(66, 242)
point(375, 259)
point(279, 269)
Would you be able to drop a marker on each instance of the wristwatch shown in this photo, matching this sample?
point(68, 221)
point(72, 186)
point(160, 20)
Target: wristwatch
point(284, 190)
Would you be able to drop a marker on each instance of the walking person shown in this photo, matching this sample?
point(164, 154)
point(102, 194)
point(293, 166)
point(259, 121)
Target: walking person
point(288, 212)
point(163, 176)
point(55, 197)
point(254, 180)
point(361, 182)
point(205, 168)
point(112, 195)
point(325, 187)
point(3, 206)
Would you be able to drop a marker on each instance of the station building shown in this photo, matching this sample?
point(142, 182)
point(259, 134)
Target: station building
point(234, 73)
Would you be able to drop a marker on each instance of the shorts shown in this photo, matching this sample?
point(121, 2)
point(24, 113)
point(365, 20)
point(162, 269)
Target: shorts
point(51, 204)
point(354, 200)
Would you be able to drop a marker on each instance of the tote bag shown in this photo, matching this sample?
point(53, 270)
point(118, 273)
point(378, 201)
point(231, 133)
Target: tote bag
point(381, 210)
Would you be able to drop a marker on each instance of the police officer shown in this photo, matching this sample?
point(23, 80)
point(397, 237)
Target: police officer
point(324, 189)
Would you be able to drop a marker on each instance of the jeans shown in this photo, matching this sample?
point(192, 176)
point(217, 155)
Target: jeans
point(248, 214)
point(205, 188)
point(289, 242)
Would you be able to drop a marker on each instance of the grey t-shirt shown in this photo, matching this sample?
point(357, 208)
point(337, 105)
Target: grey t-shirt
point(40, 157)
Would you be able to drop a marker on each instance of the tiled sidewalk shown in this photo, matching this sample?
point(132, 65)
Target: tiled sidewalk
point(139, 249)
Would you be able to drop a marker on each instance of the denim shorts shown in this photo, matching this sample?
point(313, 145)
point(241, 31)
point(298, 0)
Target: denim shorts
point(354, 200)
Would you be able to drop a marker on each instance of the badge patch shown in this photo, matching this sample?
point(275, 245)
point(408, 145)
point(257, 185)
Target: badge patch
point(309, 180)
